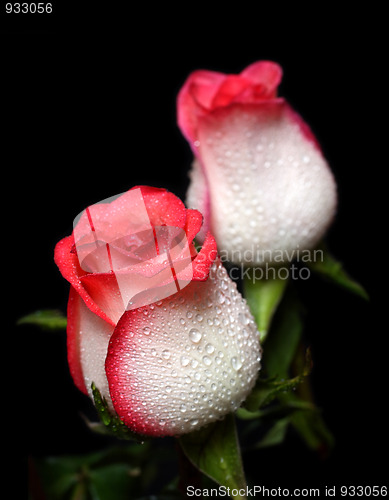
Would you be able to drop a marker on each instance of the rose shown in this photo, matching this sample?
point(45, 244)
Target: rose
point(259, 176)
point(145, 311)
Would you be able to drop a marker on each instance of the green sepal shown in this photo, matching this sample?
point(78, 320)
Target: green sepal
point(275, 435)
point(215, 451)
point(263, 297)
point(266, 390)
point(331, 269)
point(46, 319)
point(311, 427)
point(111, 423)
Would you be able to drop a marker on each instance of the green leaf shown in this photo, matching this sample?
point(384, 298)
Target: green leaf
point(115, 473)
point(331, 269)
point(111, 422)
point(215, 451)
point(47, 319)
point(263, 297)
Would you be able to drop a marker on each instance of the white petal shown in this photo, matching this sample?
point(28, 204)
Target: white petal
point(186, 361)
point(270, 188)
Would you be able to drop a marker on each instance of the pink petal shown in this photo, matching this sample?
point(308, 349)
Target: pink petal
point(195, 98)
point(205, 91)
point(267, 74)
point(230, 90)
point(68, 264)
point(205, 258)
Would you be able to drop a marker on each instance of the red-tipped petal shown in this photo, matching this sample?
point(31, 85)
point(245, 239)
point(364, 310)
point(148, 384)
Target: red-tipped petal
point(87, 341)
point(271, 190)
point(186, 361)
point(68, 264)
point(203, 261)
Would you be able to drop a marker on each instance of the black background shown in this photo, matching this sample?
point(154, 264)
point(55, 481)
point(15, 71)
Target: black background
point(90, 112)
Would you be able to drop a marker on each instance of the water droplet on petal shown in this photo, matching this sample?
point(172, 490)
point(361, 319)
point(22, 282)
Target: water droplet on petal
point(236, 363)
point(207, 360)
point(185, 360)
point(221, 297)
point(209, 348)
point(195, 335)
point(166, 354)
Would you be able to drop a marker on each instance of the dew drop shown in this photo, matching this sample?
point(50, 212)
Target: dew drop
point(166, 354)
point(221, 297)
point(146, 330)
point(194, 363)
point(243, 318)
point(209, 348)
point(185, 360)
point(236, 363)
point(195, 335)
point(207, 360)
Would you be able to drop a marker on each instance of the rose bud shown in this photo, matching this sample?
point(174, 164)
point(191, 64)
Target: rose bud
point(157, 327)
point(259, 176)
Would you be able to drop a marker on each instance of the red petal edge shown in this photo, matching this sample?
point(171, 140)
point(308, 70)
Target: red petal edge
point(73, 330)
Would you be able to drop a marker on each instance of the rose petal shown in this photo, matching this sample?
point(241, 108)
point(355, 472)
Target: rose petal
point(267, 74)
point(87, 340)
point(204, 259)
point(68, 264)
point(111, 276)
point(230, 90)
point(198, 196)
point(185, 361)
point(205, 91)
point(269, 185)
point(195, 98)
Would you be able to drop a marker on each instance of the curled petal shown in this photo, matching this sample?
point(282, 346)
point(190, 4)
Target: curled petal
point(205, 91)
point(68, 264)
